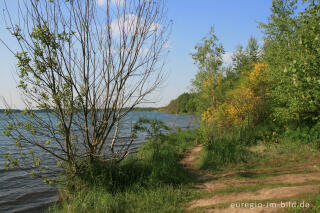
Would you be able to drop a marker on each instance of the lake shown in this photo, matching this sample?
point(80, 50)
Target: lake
point(19, 192)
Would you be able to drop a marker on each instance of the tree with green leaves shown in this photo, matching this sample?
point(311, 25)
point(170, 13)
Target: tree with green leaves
point(244, 59)
point(208, 57)
point(86, 66)
point(185, 103)
point(292, 50)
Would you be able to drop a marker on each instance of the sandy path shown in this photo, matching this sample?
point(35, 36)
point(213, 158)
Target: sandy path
point(263, 194)
point(287, 178)
point(212, 183)
point(190, 160)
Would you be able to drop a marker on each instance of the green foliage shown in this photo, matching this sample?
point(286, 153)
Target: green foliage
point(303, 134)
point(33, 68)
point(268, 96)
point(292, 51)
point(208, 58)
point(243, 59)
point(185, 103)
point(43, 84)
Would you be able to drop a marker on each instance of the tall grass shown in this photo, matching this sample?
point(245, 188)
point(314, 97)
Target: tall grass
point(228, 148)
point(136, 199)
point(149, 181)
point(220, 153)
point(234, 148)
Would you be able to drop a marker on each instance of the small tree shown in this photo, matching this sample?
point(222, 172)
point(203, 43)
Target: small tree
point(209, 59)
point(85, 64)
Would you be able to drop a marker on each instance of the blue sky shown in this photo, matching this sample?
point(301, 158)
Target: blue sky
point(234, 22)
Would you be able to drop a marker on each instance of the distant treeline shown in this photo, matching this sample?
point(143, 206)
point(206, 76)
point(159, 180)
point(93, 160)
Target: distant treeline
point(20, 111)
point(145, 109)
point(13, 110)
point(185, 103)
point(137, 109)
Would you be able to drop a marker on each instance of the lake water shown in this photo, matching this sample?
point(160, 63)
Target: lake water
point(19, 192)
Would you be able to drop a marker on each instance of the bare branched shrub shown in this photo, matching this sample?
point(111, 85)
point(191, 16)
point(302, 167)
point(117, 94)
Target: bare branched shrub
point(85, 65)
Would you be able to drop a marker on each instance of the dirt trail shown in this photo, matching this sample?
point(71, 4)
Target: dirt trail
point(191, 159)
point(263, 194)
point(270, 187)
point(287, 178)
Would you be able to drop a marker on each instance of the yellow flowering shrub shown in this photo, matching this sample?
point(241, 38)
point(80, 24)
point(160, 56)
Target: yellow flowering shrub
point(242, 106)
point(257, 77)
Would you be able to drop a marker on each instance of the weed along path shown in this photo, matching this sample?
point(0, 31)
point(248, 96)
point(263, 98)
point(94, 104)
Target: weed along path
point(275, 189)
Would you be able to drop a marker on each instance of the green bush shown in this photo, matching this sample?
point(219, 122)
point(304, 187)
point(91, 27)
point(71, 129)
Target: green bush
point(303, 134)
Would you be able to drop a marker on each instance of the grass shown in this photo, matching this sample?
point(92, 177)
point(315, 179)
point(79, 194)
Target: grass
point(256, 187)
point(264, 147)
point(283, 155)
point(137, 199)
point(218, 154)
point(230, 155)
point(149, 181)
point(153, 181)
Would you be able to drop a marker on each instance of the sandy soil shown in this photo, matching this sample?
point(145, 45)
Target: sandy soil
point(212, 183)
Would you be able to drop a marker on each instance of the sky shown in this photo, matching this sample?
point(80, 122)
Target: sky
point(234, 21)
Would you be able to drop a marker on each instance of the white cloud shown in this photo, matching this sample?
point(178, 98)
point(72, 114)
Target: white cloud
point(128, 23)
point(101, 2)
point(167, 45)
point(227, 58)
point(118, 2)
point(115, 2)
